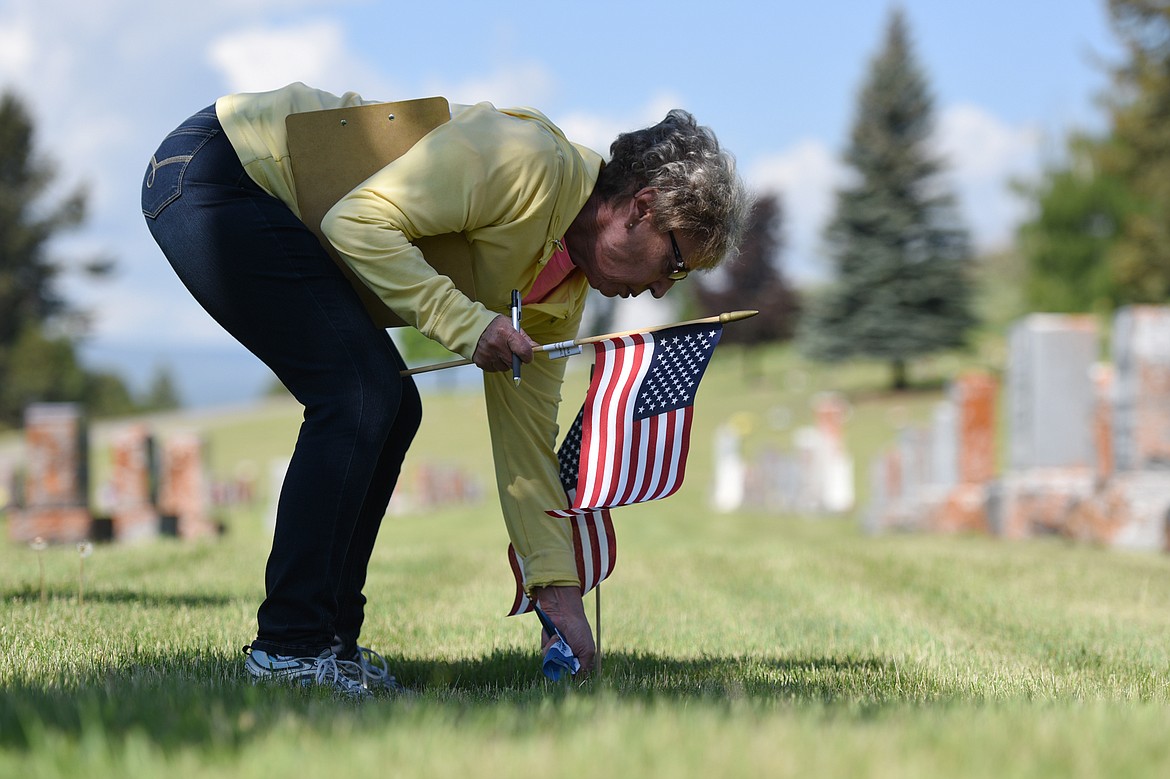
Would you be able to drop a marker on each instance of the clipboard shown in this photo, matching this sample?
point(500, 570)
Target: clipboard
point(334, 150)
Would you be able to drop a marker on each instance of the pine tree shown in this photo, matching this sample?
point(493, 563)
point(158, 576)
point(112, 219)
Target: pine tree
point(1138, 150)
point(900, 252)
point(27, 273)
point(162, 394)
point(1067, 241)
point(38, 328)
point(1100, 233)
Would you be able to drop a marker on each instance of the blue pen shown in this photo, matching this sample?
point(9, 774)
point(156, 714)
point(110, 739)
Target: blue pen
point(516, 327)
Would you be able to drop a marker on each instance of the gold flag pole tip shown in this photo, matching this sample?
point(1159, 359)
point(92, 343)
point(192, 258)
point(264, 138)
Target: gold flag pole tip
point(735, 316)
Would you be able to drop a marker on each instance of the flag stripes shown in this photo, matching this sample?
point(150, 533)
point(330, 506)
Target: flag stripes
point(634, 428)
point(630, 441)
point(595, 549)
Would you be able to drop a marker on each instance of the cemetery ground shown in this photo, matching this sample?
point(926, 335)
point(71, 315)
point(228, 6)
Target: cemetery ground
point(741, 644)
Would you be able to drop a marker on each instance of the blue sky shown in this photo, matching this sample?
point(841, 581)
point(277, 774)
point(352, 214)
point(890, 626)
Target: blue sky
point(776, 81)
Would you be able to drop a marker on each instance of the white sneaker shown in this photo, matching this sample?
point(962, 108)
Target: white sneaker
point(325, 669)
point(372, 672)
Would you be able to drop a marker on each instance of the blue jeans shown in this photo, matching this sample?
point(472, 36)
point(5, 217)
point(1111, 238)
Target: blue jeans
point(262, 274)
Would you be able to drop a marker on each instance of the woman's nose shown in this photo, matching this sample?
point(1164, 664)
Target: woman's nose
point(660, 287)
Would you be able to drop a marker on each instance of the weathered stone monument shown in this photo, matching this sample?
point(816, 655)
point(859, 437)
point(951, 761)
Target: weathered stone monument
point(1089, 446)
point(56, 485)
point(812, 476)
point(1104, 378)
point(134, 515)
point(965, 505)
point(1050, 392)
point(938, 478)
point(727, 493)
point(1051, 401)
point(834, 463)
point(184, 493)
point(1141, 354)
point(887, 508)
point(1132, 507)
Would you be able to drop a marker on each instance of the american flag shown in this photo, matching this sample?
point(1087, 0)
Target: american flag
point(629, 442)
point(595, 547)
point(594, 542)
point(631, 439)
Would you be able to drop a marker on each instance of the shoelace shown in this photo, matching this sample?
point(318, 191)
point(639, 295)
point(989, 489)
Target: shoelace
point(373, 669)
point(330, 669)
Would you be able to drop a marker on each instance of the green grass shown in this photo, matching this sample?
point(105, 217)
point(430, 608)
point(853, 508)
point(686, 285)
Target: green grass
point(744, 645)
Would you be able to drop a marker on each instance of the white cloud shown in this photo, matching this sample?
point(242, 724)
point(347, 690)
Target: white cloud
point(16, 49)
point(167, 315)
point(805, 175)
point(521, 84)
point(597, 131)
point(263, 58)
point(984, 155)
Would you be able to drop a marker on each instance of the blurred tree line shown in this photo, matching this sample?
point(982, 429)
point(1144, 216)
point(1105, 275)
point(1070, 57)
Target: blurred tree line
point(39, 330)
point(1099, 237)
point(903, 280)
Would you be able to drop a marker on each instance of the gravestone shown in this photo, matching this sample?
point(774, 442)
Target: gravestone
point(1052, 403)
point(944, 446)
point(8, 488)
point(931, 457)
point(1132, 506)
point(773, 481)
point(1049, 391)
point(974, 397)
point(1128, 512)
point(183, 489)
point(835, 463)
point(55, 504)
point(966, 507)
point(1141, 354)
point(134, 485)
point(728, 492)
point(887, 506)
point(1104, 381)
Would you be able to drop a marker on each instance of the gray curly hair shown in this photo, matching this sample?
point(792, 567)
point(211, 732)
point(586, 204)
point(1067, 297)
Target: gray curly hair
point(699, 191)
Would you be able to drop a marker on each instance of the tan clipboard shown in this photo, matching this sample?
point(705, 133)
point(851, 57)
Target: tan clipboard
point(334, 150)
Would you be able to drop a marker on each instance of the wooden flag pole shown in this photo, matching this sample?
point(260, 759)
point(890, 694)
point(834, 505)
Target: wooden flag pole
point(728, 316)
point(597, 654)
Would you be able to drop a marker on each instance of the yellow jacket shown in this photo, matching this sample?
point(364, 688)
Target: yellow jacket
point(511, 183)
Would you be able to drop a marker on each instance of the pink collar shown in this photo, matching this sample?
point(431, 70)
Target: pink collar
point(558, 268)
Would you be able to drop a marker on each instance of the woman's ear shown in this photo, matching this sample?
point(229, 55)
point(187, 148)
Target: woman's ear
point(643, 202)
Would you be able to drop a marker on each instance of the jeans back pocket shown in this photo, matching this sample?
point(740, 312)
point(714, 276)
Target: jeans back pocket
point(163, 182)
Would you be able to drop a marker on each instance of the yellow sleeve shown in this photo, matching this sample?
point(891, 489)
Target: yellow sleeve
point(523, 425)
point(463, 177)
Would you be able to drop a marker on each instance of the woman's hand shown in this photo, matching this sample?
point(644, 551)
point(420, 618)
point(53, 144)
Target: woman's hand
point(498, 343)
point(564, 607)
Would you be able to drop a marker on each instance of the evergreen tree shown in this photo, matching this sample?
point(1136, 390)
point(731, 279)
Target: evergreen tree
point(900, 253)
point(38, 329)
point(1067, 242)
point(27, 273)
point(753, 281)
point(1138, 151)
point(1100, 233)
point(162, 394)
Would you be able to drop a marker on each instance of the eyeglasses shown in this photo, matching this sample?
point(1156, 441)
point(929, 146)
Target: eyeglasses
point(678, 269)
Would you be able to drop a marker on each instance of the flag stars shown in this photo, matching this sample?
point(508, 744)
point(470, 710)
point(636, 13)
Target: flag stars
point(678, 362)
